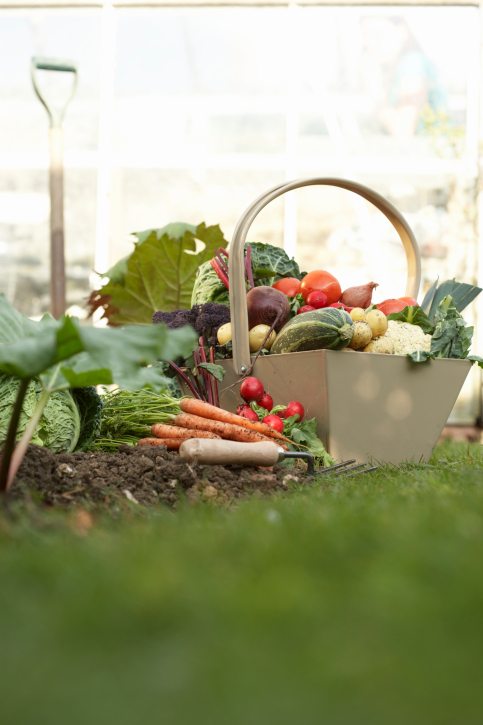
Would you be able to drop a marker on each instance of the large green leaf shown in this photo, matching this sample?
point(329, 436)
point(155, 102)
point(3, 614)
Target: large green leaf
point(64, 354)
point(159, 274)
point(462, 294)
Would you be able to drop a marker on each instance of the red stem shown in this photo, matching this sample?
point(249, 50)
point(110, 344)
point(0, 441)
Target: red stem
point(214, 381)
point(185, 379)
point(221, 274)
point(248, 267)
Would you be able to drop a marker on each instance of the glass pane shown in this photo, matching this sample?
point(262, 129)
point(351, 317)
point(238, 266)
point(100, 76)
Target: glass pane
point(24, 152)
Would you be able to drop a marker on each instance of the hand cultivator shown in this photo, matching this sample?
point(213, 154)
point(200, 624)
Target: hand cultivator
point(222, 452)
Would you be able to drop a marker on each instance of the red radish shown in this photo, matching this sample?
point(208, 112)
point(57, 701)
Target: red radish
point(305, 308)
point(251, 390)
point(294, 408)
point(266, 402)
point(281, 413)
point(246, 412)
point(340, 305)
point(274, 422)
point(317, 299)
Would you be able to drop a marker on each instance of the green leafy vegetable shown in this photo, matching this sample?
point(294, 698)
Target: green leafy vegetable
point(462, 294)
point(451, 337)
point(128, 416)
point(58, 428)
point(90, 405)
point(295, 304)
point(305, 434)
point(414, 316)
point(158, 275)
point(269, 264)
point(63, 355)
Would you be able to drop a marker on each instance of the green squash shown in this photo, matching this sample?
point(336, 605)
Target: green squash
point(326, 329)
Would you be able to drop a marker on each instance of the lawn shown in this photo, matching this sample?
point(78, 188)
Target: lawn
point(353, 602)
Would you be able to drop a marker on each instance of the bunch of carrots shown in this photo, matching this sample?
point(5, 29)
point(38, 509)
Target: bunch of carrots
point(202, 420)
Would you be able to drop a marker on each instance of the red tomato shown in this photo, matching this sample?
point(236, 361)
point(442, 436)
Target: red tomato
point(305, 308)
point(321, 281)
point(340, 306)
point(288, 285)
point(390, 306)
point(409, 301)
point(317, 299)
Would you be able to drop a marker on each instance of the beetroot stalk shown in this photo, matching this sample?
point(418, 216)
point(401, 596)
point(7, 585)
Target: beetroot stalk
point(248, 267)
point(214, 381)
point(221, 274)
point(185, 379)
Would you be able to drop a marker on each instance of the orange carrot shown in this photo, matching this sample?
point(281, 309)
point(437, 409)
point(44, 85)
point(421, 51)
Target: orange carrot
point(172, 444)
point(171, 431)
point(224, 430)
point(205, 410)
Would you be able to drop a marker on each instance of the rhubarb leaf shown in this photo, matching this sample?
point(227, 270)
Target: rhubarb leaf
point(158, 275)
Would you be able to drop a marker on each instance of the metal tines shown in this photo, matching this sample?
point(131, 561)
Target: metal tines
point(347, 469)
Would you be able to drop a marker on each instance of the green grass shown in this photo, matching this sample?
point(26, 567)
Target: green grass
point(358, 603)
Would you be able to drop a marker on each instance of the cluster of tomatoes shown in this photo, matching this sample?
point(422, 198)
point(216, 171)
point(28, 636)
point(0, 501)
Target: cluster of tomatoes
point(321, 289)
point(252, 391)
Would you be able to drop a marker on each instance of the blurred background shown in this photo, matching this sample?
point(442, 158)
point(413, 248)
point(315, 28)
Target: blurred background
point(189, 112)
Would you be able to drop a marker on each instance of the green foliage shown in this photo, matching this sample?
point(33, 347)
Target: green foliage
point(269, 264)
point(451, 337)
point(462, 294)
point(60, 425)
point(414, 316)
point(65, 355)
point(90, 405)
point(208, 287)
point(304, 433)
point(159, 274)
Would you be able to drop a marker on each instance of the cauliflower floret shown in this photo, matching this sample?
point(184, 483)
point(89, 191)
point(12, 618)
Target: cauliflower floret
point(407, 338)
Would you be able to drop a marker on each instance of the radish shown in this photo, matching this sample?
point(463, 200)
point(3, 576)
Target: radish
point(317, 299)
point(294, 408)
point(251, 390)
point(266, 402)
point(274, 422)
point(305, 308)
point(246, 412)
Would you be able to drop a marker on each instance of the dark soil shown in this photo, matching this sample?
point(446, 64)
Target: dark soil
point(145, 476)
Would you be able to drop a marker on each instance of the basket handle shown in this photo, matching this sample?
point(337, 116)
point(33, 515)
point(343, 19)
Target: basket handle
point(238, 302)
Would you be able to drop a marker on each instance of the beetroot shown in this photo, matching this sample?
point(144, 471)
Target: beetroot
point(266, 402)
point(359, 296)
point(267, 306)
point(274, 422)
point(251, 390)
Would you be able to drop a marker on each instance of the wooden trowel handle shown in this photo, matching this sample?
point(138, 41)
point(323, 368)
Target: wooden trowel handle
point(222, 453)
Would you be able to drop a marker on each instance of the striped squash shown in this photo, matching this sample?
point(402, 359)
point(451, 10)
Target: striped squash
point(326, 329)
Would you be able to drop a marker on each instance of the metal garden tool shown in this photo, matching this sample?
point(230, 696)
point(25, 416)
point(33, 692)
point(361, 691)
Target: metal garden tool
point(56, 137)
point(222, 453)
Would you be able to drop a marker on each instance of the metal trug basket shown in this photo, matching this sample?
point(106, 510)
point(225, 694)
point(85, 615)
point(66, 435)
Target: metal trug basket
point(370, 407)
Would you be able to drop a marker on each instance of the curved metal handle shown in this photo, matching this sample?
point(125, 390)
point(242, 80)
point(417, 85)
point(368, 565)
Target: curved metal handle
point(238, 302)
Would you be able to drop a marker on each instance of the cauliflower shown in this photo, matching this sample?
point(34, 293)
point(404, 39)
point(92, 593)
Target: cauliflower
point(407, 338)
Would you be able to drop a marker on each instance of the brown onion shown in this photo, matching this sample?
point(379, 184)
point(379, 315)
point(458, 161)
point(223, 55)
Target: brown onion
point(359, 296)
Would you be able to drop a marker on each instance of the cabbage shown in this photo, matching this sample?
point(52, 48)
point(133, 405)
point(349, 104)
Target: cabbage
point(269, 264)
point(59, 427)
